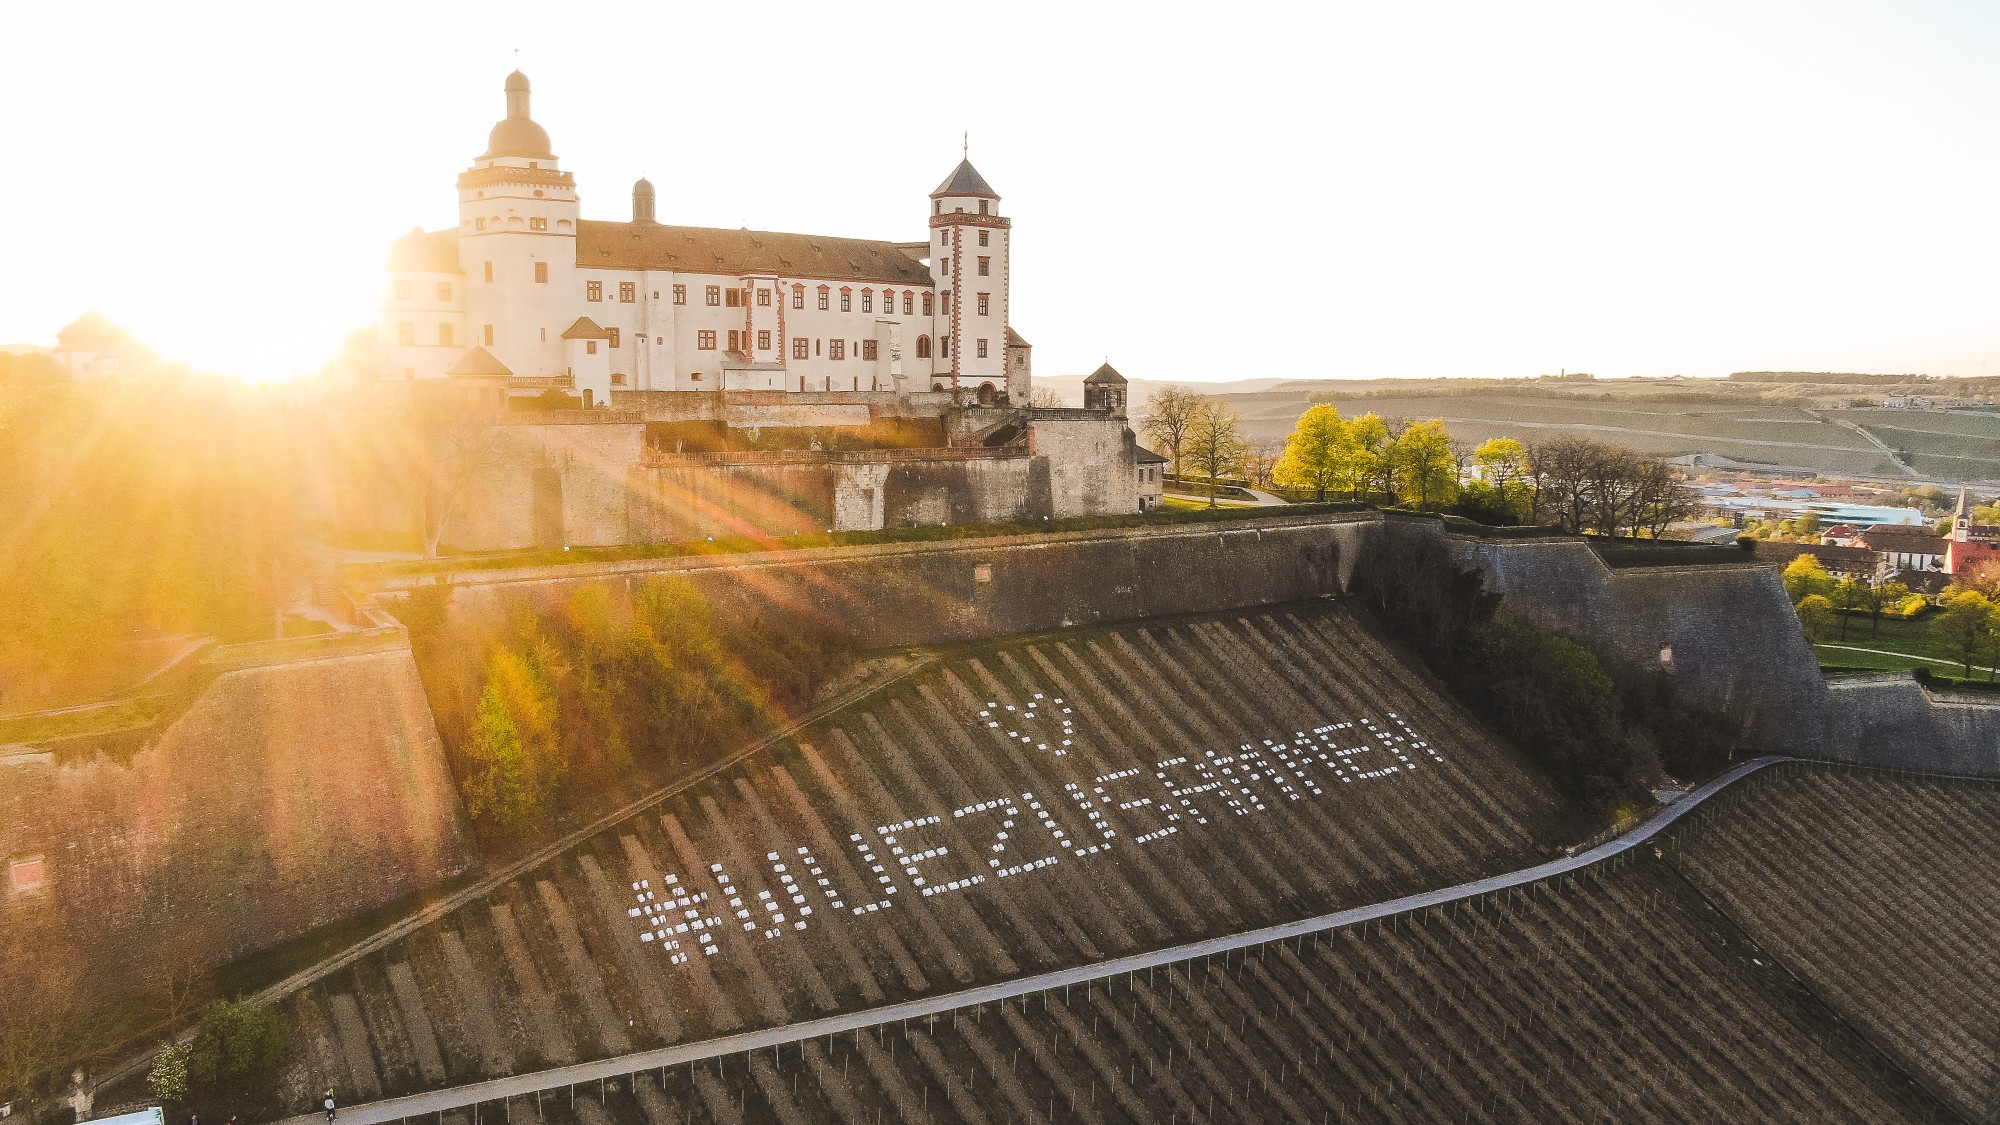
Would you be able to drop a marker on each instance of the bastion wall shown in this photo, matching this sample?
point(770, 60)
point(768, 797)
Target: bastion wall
point(1725, 631)
point(301, 783)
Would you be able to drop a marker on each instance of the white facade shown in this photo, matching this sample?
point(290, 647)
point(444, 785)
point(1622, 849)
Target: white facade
point(690, 309)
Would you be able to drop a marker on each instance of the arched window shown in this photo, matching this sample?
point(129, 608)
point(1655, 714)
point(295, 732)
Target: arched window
point(927, 304)
point(923, 347)
point(987, 395)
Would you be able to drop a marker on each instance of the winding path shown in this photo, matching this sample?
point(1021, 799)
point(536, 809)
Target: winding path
point(520, 1085)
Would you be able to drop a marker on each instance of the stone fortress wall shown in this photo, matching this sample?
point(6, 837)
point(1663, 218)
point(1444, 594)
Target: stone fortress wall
point(594, 478)
point(298, 783)
point(1725, 630)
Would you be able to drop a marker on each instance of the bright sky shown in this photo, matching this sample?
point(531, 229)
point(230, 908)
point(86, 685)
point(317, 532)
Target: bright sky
point(1230, 191)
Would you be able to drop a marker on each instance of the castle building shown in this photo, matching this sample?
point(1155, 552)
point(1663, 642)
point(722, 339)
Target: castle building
point(592, 307)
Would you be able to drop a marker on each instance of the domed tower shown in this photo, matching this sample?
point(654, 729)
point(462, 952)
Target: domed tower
point(517, 215)
point(970, 265)
point(642, 201)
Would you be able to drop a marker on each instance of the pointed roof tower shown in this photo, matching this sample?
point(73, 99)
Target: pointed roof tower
point(965, 180)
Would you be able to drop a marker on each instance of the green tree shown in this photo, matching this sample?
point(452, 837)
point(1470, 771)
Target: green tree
point(1815, 616)
point(1426, 468)
point(1965, 629)
point(1312, 458)
point(1847, 596)
point(1882, 596)
point(1214, 443)
point(236, 1040)
point(515, 760)
point(1359, 461)
point(1806, 575)
point(1501, 461)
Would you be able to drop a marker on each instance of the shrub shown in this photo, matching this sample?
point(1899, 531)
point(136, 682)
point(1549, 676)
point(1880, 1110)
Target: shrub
point(236, 1040)
point(169, 1077)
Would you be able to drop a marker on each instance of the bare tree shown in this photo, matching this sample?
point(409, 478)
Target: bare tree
point(1045, 398)
point(451, 456)
point(1215, 445)
point(1165, 422)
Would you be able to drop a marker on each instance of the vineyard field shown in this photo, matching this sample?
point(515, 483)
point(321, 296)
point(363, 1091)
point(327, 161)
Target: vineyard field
point(1892, 923)
point(1016, 807)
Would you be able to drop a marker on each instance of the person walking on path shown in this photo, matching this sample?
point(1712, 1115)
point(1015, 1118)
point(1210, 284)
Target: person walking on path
point(329, 1105)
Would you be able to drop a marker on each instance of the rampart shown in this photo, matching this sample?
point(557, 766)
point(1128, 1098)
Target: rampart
point(296, 783)
point(1725, 630)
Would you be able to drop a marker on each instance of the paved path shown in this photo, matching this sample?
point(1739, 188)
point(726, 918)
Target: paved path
point(1902, 655)
point(498, 1089)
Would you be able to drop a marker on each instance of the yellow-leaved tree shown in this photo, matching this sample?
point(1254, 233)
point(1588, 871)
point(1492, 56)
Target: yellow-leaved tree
point(1426, 467)
point(1311, 461)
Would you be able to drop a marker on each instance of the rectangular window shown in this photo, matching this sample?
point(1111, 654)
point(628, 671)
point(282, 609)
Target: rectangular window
point(798, 296)
point(444, 335)
point(680, 294)
point(541, 273)
point(488, 334)
point(867, 300)
point(823, 296)
point(614, 336)
point(590, 347)
point(763, 298)
point(628, 291)
point(982, 237)
point(763, 340)
point(735, 340)
point(800, 348)
point(944, 346)
point(846, 301)
point(927, 306)
point(836, 349)
point(489, 271)
point(982, 349)
point(406, 333)
point(908, 302)
point(735, 298)
point(867, 349)
point(984, 307)
point(479, 224)
point(593, 291)
point(617, 380)
point(985, 265)
point(402, 291)
point(714, 295)
point(705, 340)
point(942, 236)
point(444, 291)
point(538, 224)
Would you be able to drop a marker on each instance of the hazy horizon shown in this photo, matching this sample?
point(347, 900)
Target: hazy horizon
point(1444, 190)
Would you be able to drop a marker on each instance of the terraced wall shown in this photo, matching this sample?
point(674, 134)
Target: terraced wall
point(303, 783)
point(1033, 804)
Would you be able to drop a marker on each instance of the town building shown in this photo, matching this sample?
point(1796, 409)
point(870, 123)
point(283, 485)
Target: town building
point(1971, 544)
point(1903, 547)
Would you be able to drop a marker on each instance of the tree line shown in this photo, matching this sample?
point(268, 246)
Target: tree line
point(1572, 483)
point(554, 709)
